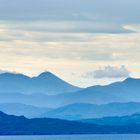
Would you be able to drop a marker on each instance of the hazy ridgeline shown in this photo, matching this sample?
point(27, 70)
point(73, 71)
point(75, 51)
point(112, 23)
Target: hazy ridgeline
point(48, 96)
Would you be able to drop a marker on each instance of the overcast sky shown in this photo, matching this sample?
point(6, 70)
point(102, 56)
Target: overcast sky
point(85, 42)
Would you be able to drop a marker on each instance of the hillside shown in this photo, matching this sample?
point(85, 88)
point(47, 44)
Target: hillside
point(123, 120)
point(46, 83)
point(84, 111)
point(13, 125)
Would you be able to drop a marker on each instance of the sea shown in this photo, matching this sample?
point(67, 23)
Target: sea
point(73, 137)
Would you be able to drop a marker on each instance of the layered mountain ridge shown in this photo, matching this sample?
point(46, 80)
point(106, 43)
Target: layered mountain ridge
point(13, 125)
point(46, 95)
point(46, 83)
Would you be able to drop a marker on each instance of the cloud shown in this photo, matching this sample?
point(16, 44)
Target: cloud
point(65, 9)
point(22, 39)
point(109, 72)
point(62, 35)
point(63, 27)
point(28, 39)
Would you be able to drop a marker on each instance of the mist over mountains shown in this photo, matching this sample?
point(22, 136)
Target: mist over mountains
point(47, 90)
point(47, 96)
point(19, 109)
point(85, 41)
point(46, 83)
point(87, 111)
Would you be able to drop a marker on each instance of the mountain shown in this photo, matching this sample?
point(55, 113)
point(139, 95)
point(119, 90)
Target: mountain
point(43, 100)
point(46, 83)
point(123, 120)
point(19, 109)
point(125, 91)
point(84, 111)
point(39, 100)
point(129, 87)
point(13, 125)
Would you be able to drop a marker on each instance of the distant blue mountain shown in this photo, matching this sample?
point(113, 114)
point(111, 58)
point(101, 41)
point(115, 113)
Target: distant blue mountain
point(13, 125)
point(46, 83)
point(125, 91)
point(19, 109)
point(42, 100)
point(129, 87)
point(123, 120)
point(84, 111)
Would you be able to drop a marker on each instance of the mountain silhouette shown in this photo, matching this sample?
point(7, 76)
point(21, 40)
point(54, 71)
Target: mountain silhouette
point(47, 90)
point(124, 91)
point(13, 125)
point(79, 111)
point(133, 119)
point(19, 109)
point(46, 83)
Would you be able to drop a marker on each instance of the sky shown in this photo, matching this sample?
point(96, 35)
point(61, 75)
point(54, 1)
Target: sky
point(85, 42)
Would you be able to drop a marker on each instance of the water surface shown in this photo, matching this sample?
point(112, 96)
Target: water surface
point(73, 137)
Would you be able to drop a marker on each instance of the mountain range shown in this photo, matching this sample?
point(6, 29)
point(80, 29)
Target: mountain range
point(46, 83)
point(62, 108)
point(13, 125)
point(76, 111)
point(85, 111)
point(19, 109)
point(133, 119)
point(47, 90)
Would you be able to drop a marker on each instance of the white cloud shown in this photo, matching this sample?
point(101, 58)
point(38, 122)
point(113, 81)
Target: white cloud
point(109, 72)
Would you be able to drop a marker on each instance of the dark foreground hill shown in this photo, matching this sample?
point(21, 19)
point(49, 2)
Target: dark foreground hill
point(12, 125)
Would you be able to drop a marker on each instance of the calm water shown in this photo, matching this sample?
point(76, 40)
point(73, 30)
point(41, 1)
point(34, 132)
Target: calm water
point(87, 137)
